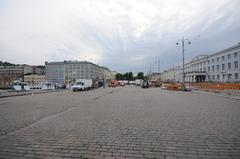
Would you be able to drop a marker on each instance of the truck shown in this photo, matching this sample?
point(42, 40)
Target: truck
point(113, 83)
point(82, 85)
point(138, 82)
point(145, 84)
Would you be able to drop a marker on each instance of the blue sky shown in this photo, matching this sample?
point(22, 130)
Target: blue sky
point(124, 35)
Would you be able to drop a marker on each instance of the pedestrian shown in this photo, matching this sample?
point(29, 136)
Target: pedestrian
point(22, 86)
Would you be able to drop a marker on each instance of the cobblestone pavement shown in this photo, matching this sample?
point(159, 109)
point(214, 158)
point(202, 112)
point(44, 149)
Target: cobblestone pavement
point(118, 123)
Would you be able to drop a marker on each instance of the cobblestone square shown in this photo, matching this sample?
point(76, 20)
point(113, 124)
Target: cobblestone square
point(119, 123)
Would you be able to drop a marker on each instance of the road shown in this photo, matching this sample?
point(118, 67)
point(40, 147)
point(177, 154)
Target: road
point(118, 123)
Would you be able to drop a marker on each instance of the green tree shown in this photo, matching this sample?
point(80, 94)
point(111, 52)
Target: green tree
point(140, 75)
point(125, 76)
point(119, 76)
point(130, 76)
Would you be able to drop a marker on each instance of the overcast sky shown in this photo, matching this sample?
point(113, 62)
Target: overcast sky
point(124, 35)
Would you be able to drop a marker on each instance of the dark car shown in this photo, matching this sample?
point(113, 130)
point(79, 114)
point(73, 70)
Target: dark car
point(145, 84)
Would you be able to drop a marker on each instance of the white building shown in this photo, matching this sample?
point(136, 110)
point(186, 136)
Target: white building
point(169, 75)
point(70, 71)
point(178, 74)
point(108, 74)
point(82, 70)
point(222, 66)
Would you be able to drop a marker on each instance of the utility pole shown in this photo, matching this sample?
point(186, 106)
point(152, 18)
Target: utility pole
point(183, 40)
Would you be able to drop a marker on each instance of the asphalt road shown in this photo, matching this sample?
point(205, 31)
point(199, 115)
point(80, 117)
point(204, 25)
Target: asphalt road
point(123, 122)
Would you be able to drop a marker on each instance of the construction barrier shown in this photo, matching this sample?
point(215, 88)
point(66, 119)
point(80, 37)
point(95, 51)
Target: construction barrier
point(218, 86)
point(171, 86)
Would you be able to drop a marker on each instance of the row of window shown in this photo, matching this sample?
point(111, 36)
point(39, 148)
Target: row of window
point(229, 77)
point(229, 56)
point(229, 66)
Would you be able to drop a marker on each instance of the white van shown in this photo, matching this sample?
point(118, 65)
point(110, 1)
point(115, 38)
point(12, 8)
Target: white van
point(82, 84)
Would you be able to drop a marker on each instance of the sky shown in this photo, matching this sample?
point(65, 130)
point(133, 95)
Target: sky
point(124, 35)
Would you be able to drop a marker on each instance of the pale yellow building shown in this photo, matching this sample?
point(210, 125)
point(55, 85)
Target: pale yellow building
point(34, 78)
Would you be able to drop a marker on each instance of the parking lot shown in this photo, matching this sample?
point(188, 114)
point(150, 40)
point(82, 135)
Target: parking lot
point(121, 122)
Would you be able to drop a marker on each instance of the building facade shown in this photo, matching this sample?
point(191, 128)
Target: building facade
point(70, 71)
point(54, 72)
point(34, 78)
point(155, 77)
point(9, 74)
point(81, 70)
point(28, 69)
point(169, 75)
point(39, 70)
point(222, 66)
point(108, 74)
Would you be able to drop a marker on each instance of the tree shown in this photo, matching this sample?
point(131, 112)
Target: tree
point(119, 76)
point(130, 76)
point(140, 75)
point(125, 76)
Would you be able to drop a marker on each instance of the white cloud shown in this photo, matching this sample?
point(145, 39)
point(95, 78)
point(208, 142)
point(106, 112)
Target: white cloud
point(114, 33)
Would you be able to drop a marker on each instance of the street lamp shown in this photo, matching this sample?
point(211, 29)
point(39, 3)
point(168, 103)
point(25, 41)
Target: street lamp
point(183, 40)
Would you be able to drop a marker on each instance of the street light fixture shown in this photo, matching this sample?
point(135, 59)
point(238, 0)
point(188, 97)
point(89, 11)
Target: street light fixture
point(183, 40)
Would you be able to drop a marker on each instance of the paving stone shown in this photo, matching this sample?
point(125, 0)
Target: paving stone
point(128, 123)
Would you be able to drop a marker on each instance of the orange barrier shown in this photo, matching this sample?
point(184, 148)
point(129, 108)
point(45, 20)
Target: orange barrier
point(175, 87)
point(218, 86)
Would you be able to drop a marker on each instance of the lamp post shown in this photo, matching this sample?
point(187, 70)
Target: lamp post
point(183, 40)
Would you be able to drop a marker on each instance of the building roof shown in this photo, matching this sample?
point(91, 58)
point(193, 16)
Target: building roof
point(237, 46)
point(200, 57)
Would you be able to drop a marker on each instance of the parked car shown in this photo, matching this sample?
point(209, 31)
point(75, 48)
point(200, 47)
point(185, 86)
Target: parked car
point(121, 83)
point(82, 85)
point(145, 84)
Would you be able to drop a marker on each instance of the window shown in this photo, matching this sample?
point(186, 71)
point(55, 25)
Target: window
point(212, 60)
point(217, 67)
point(236, 75)
point(223, 58)
point(208, 61)
point(229, 76)
point(213, 77)
point(208, 68)
point(204, 62)
point(235, 54)
point(236, 64)
point(229, 56)
point(229, 65)
point(218, 77)
point(204, 69)
point(223, 77)
point(209, 77)
point(223, 66)
point(217, 59)
point(212, 68)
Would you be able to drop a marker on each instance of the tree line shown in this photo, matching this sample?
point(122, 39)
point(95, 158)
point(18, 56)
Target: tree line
point(129, 76)
point(7, 64)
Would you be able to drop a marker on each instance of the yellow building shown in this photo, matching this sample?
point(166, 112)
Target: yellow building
point(34, 78)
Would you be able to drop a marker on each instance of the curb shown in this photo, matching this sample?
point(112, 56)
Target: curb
point(217, 95)
point(29, 93)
